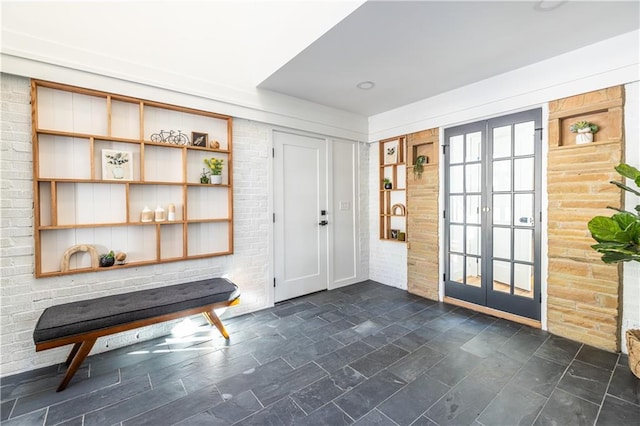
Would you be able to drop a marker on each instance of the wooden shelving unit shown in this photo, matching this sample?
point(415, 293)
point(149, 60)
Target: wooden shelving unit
point(393, 167)
point(80, 199)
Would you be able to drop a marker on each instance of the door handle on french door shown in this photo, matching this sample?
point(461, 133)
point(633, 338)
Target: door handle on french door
point(323, 223)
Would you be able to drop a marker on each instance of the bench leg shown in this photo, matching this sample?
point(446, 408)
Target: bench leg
point(72, 354)
point(213, 319)
point(75, 359)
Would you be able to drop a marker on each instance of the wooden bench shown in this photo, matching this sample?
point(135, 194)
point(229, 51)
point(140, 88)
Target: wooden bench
point(82, 322)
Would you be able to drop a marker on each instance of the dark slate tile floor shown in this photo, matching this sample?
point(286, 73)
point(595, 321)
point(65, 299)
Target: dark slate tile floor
point(366, 354)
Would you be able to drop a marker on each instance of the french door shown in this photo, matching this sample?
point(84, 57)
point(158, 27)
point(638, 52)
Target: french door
point(493, 211)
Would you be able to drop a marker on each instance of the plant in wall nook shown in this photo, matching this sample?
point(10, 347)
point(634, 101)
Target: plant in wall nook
point(618, 236)
point(387, 184)
point(418, 168)
point(215, 166)
point(584, 131)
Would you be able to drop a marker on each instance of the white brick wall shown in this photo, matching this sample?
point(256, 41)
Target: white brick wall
point(387, 260)
point(23, 298)
point(364, 152)
point(631, 274)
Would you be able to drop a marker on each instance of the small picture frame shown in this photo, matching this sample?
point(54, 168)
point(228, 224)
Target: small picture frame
point(394, 234)
point(200, 139)
point(117, 164)
point(391, 155)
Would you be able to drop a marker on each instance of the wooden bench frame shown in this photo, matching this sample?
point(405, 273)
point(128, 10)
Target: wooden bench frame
point(82, 343)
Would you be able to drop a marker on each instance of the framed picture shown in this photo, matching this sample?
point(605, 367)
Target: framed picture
point(117, 165)
point(391, 155)
point(200, 139)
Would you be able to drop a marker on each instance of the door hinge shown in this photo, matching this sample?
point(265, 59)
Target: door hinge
point(444, 149)
point(274, 281)
point(274, 218)
point(540, 217)
point(444, 214)
point(273, 152)
point(444, 277)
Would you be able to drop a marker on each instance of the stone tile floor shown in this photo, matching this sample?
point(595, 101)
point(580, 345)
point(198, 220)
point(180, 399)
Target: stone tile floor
point(366, 354)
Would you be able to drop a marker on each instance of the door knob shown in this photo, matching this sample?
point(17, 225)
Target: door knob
point(323, 223)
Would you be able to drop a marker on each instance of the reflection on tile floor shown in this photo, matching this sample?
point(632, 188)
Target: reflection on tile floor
point(366, 354)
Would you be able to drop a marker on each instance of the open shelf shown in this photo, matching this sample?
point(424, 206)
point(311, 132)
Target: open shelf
point(393, 166)
point(84, 198)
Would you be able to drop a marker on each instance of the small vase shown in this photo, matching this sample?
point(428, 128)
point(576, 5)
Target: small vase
point(118, 173)
point(216, 179)
point(584, 137)
point(160, 215)
point(388, 185)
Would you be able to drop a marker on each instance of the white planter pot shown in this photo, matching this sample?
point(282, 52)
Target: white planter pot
point(216, 179)
point(582, 138)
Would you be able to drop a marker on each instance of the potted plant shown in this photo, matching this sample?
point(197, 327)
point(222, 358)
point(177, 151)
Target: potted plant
point(387, 184)
point(215, 169)
point(204, 177)
point(584, 131)
point(618, 240)
point(107, 259)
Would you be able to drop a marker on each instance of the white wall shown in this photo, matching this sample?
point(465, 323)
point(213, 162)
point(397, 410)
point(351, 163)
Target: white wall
point(262, 106)
point(604, 64)
point(23, 298)
point(631, 270)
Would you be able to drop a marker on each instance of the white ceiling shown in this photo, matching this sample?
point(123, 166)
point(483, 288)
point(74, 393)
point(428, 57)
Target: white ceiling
point(313, 50)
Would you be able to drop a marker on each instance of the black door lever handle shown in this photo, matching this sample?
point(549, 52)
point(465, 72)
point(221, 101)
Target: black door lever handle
point(323, 223)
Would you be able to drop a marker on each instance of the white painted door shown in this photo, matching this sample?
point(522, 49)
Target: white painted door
point(300, 198)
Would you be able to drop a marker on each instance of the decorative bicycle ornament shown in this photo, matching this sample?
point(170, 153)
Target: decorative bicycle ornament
point(171, 136)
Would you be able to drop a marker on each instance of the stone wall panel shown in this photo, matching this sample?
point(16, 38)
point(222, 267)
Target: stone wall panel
point(583, 302)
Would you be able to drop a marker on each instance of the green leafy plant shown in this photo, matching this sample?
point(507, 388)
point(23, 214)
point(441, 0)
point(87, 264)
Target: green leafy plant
point(585, 126)
point(618, 236)
point(214, 164)
point(418, 168)
point(204, 177)
point(107, 260)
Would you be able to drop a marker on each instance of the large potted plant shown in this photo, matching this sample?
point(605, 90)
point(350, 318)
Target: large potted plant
point(618, 240)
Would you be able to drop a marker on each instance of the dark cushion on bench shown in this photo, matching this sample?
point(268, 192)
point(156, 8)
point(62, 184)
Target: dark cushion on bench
point(90, 315)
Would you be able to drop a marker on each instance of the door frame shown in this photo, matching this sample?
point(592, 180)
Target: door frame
point(541, 198)
point(323, 232)
point(332, 283)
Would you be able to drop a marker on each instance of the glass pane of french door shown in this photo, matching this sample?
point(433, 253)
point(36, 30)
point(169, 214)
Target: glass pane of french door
point(492, 199)
point(464, 206)
point(513, 206)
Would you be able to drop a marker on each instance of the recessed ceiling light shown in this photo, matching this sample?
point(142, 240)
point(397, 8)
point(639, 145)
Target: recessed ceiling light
point(547, 5)
point(366, 85)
